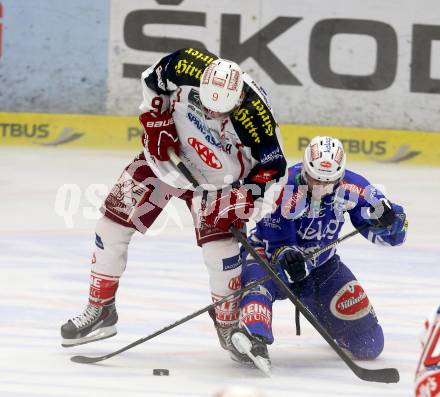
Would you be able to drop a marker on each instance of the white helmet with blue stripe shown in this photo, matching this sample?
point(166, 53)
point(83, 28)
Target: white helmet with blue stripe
point(324, 159)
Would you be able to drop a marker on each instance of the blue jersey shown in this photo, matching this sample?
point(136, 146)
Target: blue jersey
point(309, 224)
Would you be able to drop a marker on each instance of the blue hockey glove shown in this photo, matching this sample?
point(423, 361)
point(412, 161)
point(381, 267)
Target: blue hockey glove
point(290, 264)
point(386, 218)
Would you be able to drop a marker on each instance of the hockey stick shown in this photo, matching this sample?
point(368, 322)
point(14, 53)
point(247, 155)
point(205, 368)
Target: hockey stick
point(91, 360)
point(385, 375)
point(312, 255)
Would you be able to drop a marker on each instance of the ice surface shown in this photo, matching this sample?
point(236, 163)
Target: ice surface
point(44, 280)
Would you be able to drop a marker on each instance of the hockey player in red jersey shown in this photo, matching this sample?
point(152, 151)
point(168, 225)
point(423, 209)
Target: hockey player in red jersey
point(220, 123)
point(427, 380)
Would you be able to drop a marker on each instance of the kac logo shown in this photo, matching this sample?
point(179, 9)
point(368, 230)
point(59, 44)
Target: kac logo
point(205, 153)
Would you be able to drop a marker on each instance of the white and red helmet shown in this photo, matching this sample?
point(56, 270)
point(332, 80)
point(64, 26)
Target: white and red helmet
point(324, 159)
point(221, 86)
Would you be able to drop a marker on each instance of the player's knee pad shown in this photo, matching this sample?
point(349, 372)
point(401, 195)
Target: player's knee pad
point(223, 262)
point(111, 246)
point(252, 272)
point(364, 345)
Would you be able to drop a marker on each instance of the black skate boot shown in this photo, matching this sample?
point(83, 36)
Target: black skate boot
point(254, 347)
point(95, 323)
point(224, 337)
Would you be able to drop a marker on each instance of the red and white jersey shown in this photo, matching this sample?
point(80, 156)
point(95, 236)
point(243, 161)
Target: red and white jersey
point(210, 148)
point(427, 379)
point(244, 146)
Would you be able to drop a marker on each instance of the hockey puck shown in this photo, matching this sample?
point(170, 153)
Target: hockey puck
point(161, 372)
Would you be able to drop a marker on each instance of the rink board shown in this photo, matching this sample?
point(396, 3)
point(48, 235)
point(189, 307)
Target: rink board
point(125, 132)
point(368, 63)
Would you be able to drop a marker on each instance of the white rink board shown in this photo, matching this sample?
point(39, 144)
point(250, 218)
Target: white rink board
point(394, 106)
point(45, 272)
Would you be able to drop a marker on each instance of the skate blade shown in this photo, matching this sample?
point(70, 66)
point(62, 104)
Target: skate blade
point(244, 346)
point(247, 361)
point(263, 364)
point(98, 334)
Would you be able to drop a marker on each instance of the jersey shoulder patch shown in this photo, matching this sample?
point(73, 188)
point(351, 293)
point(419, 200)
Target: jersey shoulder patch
point(355, 184)
point(253, 119)
point(294, 174)
point(183, 67)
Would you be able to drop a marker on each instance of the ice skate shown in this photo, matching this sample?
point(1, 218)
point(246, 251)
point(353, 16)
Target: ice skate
point(224, 337)
point(95, 323)
point(253, 347)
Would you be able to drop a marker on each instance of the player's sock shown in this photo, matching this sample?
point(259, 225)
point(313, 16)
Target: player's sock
point(103, 288)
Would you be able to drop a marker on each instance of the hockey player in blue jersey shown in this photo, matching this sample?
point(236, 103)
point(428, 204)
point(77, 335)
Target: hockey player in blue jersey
point(310, 214)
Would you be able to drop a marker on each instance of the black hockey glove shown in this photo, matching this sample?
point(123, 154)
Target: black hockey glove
point(385, 217)
point(290, 264)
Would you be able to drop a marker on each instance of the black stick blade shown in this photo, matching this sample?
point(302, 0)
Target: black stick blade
point(87, 360)
point(384, 375)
